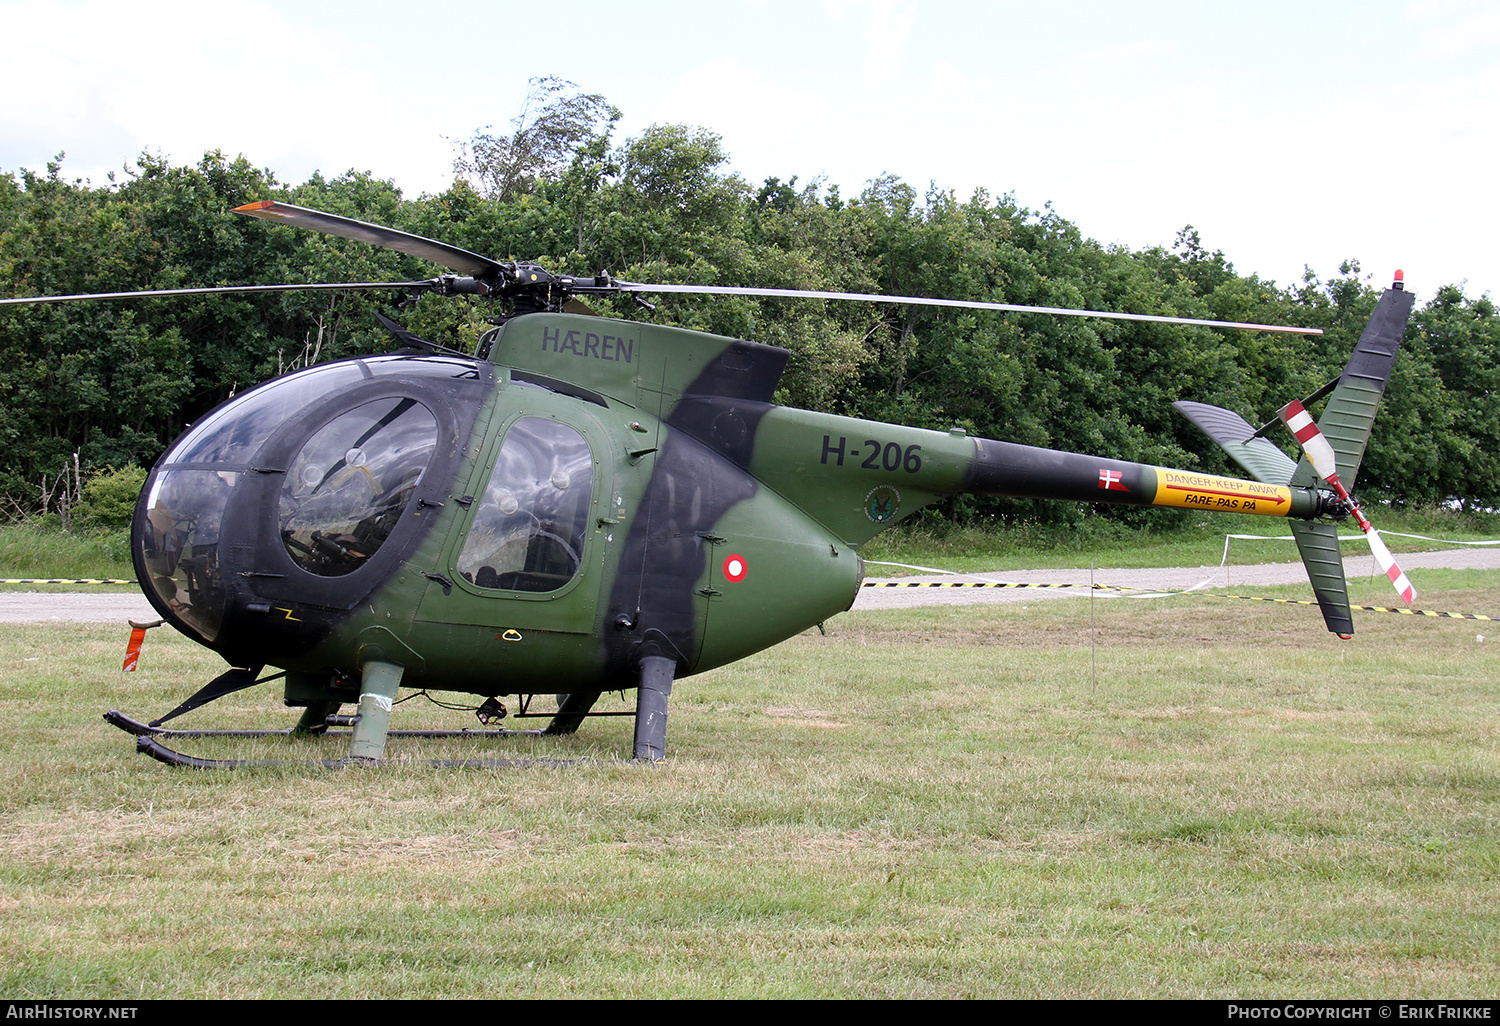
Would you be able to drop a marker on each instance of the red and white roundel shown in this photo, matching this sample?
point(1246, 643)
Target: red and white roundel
point(735, 569)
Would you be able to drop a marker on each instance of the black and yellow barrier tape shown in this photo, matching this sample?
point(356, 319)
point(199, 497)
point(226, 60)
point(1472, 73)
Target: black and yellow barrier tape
point(58, 580)
point(1399, 610)
point(1109, 587)
point(985, 584)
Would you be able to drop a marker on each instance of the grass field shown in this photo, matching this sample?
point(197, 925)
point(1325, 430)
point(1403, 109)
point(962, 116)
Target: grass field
point(1212, 799)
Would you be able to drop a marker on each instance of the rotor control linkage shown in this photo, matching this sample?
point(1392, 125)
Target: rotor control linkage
point(460, 285)
point(1334, 507)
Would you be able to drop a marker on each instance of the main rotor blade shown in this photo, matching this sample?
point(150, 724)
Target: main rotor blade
point(377, 235)
point(220, 289)
point(965, 304)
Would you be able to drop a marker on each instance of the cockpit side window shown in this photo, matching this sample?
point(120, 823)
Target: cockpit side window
point(529, 530)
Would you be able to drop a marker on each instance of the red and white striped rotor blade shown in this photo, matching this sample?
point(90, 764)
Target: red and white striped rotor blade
point(1388, 564)
point(1319, 453)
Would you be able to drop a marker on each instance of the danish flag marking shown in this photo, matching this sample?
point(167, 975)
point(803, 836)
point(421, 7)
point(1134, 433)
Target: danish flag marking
point(1111, 481)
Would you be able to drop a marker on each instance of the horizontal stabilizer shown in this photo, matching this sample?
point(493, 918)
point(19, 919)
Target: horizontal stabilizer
point(1258, 456)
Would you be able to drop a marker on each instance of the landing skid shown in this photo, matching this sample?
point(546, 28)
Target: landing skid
point(146, 744)
point(369, 729)
point(161, 753)
point(139, 729)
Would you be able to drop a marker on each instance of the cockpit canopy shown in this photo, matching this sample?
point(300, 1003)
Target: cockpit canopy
point(301, 486)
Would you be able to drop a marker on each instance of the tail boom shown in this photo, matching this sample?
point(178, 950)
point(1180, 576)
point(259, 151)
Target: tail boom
point(1023, 471)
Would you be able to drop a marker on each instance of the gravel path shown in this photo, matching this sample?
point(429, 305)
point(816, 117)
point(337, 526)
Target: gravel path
point(1179, 578)
point(73, 607)
point(80, 607)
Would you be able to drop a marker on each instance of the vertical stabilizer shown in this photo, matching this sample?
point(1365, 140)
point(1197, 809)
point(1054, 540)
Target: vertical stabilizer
point(1318, 544)
point(1350, 414)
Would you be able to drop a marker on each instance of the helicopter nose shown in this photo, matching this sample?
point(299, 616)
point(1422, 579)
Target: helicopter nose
point(300, 496)
point(175, 538)
point(177, 533)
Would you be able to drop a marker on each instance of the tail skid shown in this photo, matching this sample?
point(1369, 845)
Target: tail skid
point(1332, 452)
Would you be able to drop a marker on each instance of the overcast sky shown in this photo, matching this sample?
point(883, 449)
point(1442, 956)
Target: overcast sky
point(1289, 134)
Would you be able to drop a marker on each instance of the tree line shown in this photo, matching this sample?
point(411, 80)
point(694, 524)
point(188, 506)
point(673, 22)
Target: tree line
point(114, 382)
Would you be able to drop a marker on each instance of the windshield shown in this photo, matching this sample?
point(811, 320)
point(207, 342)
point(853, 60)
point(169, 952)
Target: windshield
point(347, 488)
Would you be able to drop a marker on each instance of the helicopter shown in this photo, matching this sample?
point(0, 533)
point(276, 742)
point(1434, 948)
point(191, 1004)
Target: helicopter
point(587, 504)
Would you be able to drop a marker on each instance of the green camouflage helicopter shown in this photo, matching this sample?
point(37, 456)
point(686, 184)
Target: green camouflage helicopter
point(589, 504)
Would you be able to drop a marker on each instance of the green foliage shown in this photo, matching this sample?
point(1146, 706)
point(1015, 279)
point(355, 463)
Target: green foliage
point(556, 126)
point(1458, 341)
point(109, 498)
point(116, 381)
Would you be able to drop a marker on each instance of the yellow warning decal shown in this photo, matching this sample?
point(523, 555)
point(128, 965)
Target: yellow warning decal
point(1221, 494)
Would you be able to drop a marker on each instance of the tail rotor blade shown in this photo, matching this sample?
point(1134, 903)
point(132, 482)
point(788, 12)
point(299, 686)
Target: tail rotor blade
point(1388, 564)
point(1319, 453)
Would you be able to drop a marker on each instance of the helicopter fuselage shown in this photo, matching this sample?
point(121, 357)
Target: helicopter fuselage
point(595, 494)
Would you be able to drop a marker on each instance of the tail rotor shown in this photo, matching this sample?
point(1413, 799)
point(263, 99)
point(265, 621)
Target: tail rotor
point(1321, 455)
point(1332, 448)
